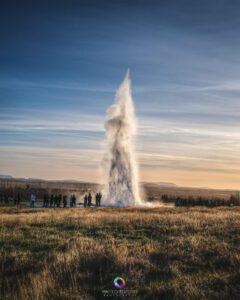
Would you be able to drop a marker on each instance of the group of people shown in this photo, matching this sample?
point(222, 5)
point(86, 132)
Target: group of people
point(62, 200)
point(233, 200)
point(53, 200)
point(58, 200)
point(205, 202)
point(88, 200)
point(5, 199)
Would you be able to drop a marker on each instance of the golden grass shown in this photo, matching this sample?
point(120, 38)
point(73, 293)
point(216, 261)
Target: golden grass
point(163, 253)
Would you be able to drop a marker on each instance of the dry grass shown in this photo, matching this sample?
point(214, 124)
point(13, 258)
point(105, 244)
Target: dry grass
point(163, 253)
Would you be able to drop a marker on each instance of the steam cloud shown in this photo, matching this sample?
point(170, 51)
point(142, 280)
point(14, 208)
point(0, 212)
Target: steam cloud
point(122, 169)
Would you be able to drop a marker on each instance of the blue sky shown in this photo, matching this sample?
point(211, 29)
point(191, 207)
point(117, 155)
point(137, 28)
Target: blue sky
point(62, 61)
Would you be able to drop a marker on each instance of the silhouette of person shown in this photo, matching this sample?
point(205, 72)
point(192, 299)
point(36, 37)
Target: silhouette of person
point(55, 200)
point(64, 201)
point(18, 199)
point(33, 199)
point(85, 201)
point(99, 199)
point(89, 199)
point(45, 196)
point(74, 199)
point(51, 200)
point(59, 200)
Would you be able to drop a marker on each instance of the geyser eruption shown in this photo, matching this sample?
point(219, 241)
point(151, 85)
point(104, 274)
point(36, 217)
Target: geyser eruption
point(122, 169)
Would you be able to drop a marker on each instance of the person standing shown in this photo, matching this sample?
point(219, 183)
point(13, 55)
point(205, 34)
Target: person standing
point(33, 199)
point(65, 201)
point(6, 199)
point(51, 200)
point(85, 200)
point(89, 199)
point(59, 200)
point(71, 200)
point(74, 199)
point(55, 200)
point(99, 199)
point(18, 199)
point(45, 200)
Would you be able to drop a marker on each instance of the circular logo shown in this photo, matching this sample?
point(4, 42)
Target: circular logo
point(119, 282)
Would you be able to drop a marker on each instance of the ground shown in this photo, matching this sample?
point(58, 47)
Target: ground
point(162, 253)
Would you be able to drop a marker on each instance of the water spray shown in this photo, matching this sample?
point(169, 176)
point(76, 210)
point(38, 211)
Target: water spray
point(120, 162)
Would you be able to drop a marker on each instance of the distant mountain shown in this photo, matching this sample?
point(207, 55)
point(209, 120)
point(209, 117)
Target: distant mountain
point(6, 177)
point(146, 184)
point(68, 181)
point(41, 180)
point(159, 184)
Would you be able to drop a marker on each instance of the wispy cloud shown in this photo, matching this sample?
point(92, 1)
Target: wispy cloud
point(15, 83)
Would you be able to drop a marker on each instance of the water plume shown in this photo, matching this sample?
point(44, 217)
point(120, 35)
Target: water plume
point(120, 162)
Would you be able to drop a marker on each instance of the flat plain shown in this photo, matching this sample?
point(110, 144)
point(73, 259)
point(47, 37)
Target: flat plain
point(161, 252)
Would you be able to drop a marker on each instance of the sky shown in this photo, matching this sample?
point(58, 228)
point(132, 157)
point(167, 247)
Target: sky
point(61, 63)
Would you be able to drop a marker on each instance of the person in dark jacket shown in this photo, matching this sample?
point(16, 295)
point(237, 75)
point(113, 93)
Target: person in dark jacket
point(45, 200)
point(97, 199)
point(15, 199)
point(18, 199)
point(89, 199)
point(55, 200)
point(6, 199)
point(51, 200)
point(59, 200)
point(74, 199)
point(85, 202)
point(65, 201)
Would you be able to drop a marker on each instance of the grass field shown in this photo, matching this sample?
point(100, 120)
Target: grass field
point(163, 253)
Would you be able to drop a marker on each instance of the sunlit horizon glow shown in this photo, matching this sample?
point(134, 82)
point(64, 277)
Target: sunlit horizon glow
point(61, 64)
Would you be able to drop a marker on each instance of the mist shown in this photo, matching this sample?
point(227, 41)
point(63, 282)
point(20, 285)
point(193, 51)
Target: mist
point(120, 162)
